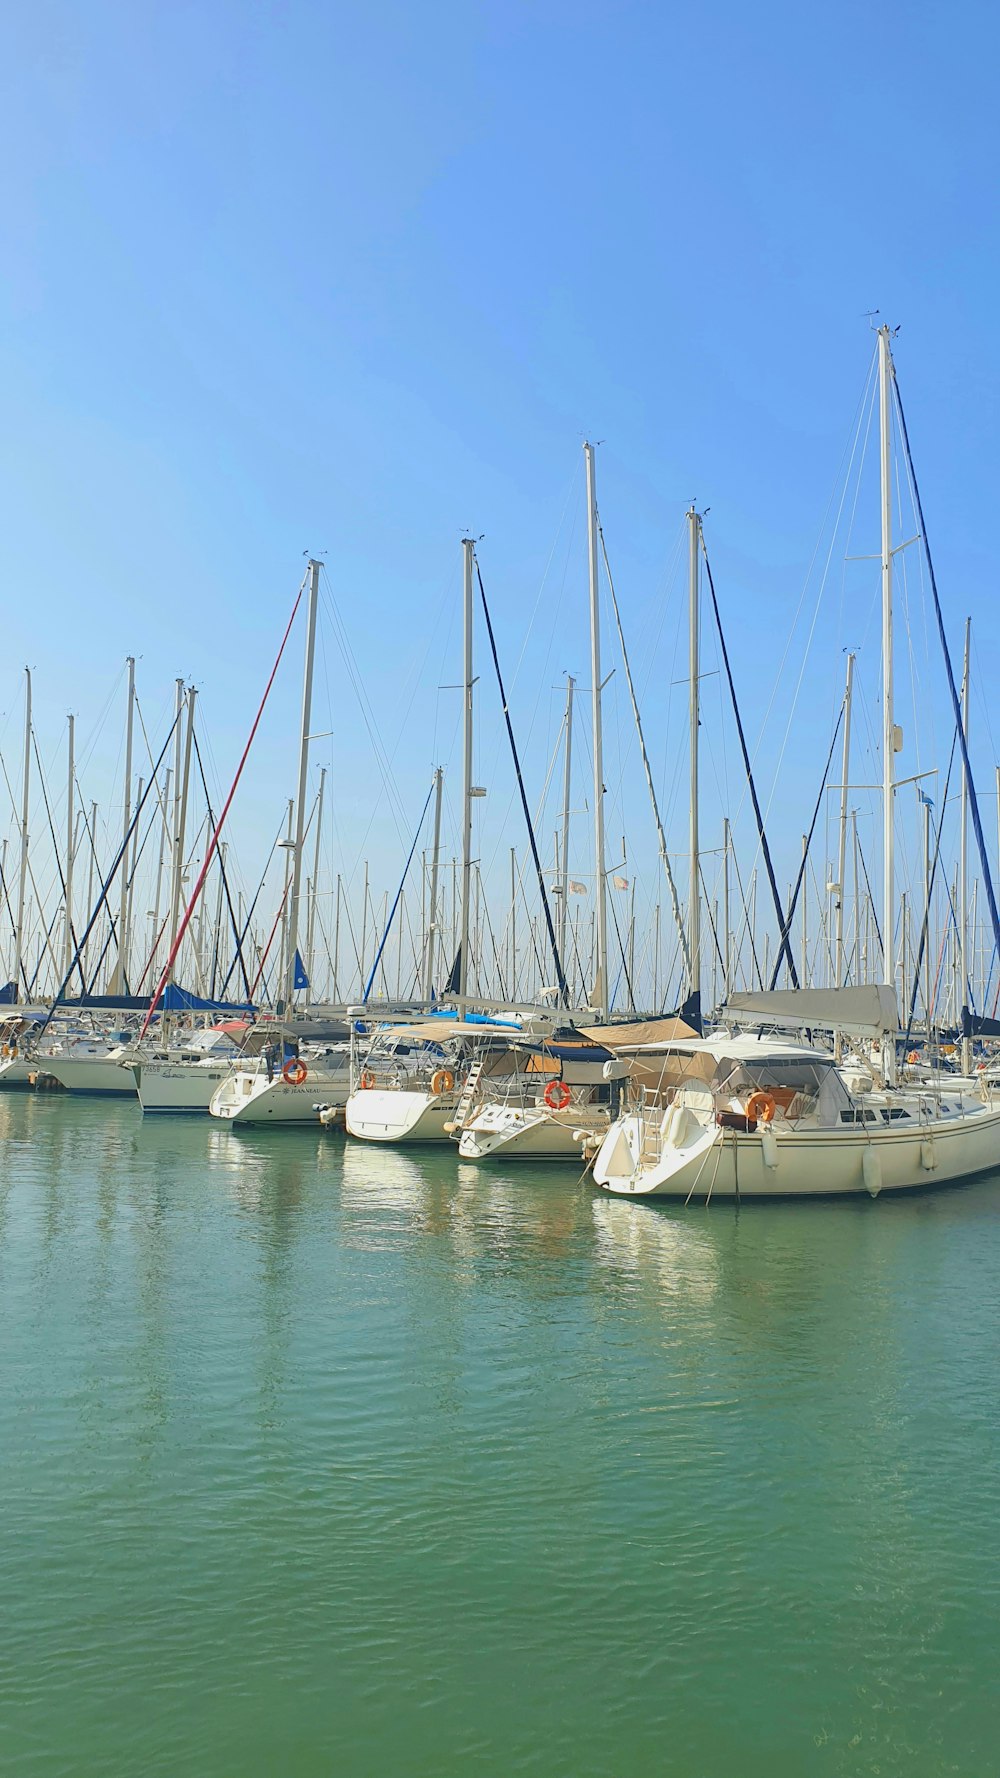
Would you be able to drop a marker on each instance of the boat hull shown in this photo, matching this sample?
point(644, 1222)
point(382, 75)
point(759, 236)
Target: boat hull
point(248, 1099)
point(802, 1164)
point(90, 1074)
point(374, 1115)
point(174, 1087)
point(508, 1133)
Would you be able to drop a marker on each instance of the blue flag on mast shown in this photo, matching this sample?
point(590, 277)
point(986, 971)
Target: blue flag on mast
point(299, 978)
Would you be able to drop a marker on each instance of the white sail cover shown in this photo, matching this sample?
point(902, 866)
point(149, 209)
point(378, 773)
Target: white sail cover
point(868, 1009)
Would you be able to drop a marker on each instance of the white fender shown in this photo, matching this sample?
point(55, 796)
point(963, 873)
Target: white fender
point(928, 1159)
point(769, 1146)
point(871, 1167)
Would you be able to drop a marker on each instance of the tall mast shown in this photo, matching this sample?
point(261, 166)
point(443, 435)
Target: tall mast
point(119, 975)
point(889, 736)
point(300, 795)
point(963, 861)
point(694, 897)
point(432, 911)
point(180, 812)
point(70, 838)
point(600, 994)
point(842, 842)
point(311, 926)
point(567, 781)
point(22, 874)
point(726, 932)
point(468, 551)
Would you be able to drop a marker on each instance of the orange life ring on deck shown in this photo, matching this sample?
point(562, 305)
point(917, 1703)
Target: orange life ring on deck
point(761, 1107)
point(367, 1080)
point(442, 1082)
point(294, 1072)
point(557, 1095)
point(913, 1056)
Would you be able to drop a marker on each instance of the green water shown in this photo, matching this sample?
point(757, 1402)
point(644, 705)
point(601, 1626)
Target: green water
point(319, 1460)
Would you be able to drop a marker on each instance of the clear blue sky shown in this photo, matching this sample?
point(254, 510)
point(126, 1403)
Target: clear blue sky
point(296, 277)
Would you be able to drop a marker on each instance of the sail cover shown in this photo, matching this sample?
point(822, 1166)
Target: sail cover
point(870, 1009)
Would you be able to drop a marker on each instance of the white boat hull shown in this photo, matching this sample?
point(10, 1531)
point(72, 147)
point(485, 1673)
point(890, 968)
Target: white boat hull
point(795, 1163)
point(17, 1073)
point(179, 1086)
point(245, 1098)
point(519, 1133)
point(90, 1074)
point(374, 1115)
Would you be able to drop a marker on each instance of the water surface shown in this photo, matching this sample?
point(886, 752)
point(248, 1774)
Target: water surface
point(318, 1460)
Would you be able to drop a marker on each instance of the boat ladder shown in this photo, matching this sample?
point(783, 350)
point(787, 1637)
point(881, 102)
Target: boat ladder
point(467, 1100)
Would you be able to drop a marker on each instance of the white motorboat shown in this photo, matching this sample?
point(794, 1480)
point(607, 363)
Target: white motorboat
point(746, 1116)
point(268, 1094)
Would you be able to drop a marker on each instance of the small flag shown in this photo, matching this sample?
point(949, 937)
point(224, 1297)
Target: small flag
point(928, 801)
point(299, 977)
point(620, 882)
point(578, 888)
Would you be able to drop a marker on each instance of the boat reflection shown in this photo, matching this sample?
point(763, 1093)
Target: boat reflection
point(647, 1244)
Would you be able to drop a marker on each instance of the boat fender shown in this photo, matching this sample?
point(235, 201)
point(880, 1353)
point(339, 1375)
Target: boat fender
point(769, 1147)
point(928, 1159)
point(871, 1167)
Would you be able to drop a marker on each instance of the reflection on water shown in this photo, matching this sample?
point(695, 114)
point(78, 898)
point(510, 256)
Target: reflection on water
point(321, 1456)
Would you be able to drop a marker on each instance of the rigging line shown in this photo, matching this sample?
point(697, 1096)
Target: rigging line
point(925, 923)
point(785, 947)
point(222, 868)
point(249, 919)
point(661, 836)
point(977, 824)
point(105, 886)
point(560, 977)
point(746, 922)
point(805, 855)
point(399, 891)
point(214, 841)
point(55, 848)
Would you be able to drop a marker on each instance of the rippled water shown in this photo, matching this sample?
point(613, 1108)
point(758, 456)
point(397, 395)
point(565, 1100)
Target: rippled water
point(319, 1460)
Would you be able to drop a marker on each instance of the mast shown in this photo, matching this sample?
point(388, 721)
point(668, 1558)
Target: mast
point(600, 994)
point(22, 874)
point(694, 898)
point(432, 912)
point(119, 975)
point(180, 811)
point(726, 933)
point(963, 861)
point(891, 740)
point(311, 925)
point(468, 552)
point(70, 838)
point(567, 779)
point(842, 842)
point(292, 934)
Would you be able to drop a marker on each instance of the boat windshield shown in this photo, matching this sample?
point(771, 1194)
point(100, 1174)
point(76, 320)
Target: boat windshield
point(806, 1088)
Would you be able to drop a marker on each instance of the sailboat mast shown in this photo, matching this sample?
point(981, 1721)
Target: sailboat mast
point(292, 932)
point(567, 781)
point(694, 898)
point(70, 838)
point(119, 976)
point(468, 552)
point(22, 875)
point(600, 883)
point(432, 911)
point(311, 923)
point(963, 861)
point(889, 736)
point(842, 844)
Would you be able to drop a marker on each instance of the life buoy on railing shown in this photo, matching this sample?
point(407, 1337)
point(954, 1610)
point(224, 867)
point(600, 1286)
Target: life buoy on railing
point(294, 1072)
point(557, 1095)
point(761, 1107)
point(442, 1082)
point(367, 1080)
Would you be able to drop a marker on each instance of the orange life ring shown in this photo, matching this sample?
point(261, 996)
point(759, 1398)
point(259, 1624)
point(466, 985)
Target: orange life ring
point(294, 1072)
point(367, 1080)
point(913, 1056)
point(442, 1082)
point(761, 1107)
point(557, 1095)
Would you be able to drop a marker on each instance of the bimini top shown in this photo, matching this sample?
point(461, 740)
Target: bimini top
point(741, 1046)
